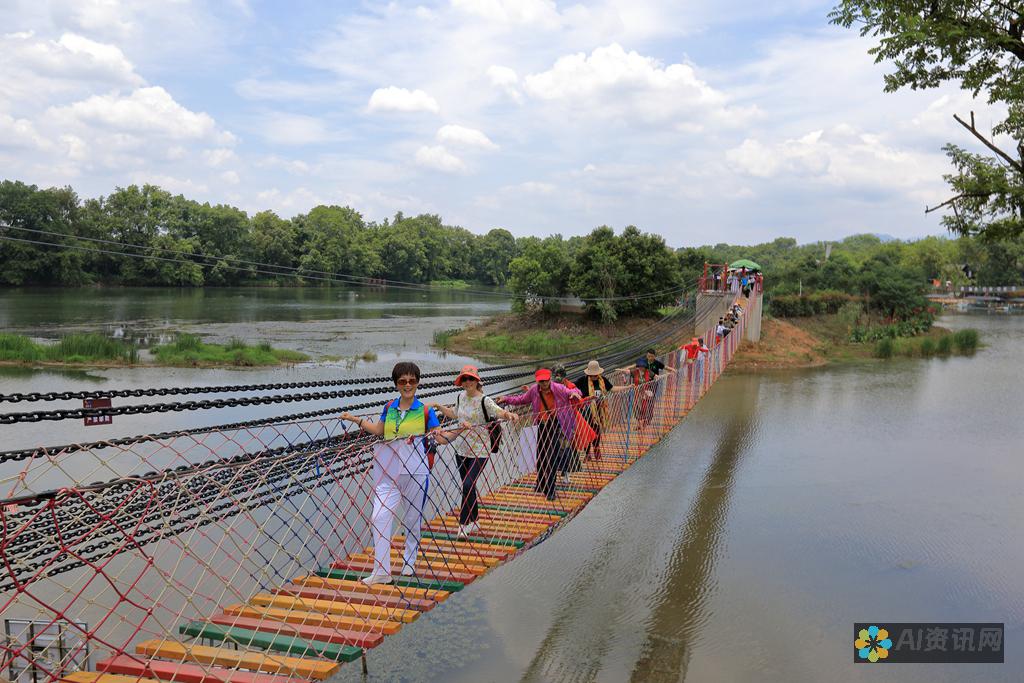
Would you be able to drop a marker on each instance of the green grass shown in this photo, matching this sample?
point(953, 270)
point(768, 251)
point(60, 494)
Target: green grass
point(189, 350)
point(442, 338)
point(73, 348)
point(536, 343)
point(927, 348)
point(966, 341)
point(963, 342)
point(450, 284)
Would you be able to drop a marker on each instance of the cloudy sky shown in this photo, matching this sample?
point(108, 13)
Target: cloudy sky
point(704, 121)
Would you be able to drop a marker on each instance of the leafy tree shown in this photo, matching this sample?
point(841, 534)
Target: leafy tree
point(336, 243)
point(598, 272)
point(54, 211)
point(274, 240)
point(978, 45)
point(541, 273)
point(496, 249)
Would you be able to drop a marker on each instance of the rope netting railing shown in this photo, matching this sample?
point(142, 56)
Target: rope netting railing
point(241, 554)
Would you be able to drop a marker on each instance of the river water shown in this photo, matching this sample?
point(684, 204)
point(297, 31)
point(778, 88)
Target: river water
point(786, 507)
point(339, 324)
point(743, 547)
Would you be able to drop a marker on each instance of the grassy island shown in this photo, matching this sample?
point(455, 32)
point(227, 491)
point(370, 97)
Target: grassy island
point(521, 336)
point(189, 350)
point(97, 350)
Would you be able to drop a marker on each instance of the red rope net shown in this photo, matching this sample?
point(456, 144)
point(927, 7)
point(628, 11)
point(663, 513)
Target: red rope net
point(243, 552)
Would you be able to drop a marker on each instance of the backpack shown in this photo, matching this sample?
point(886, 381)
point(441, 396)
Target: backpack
point(429, 443)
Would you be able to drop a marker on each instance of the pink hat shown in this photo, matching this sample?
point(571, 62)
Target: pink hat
point(542, 375)
point(468, 371)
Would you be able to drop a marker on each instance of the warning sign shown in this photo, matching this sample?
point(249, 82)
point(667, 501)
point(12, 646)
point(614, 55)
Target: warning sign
point(93, 404)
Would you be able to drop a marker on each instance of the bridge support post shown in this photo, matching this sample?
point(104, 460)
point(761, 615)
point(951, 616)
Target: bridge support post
point(752, 322)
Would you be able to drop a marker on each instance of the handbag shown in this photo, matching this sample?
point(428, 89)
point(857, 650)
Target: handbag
point(493, 427)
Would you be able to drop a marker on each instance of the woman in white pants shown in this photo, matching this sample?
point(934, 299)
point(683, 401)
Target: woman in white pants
point(401, 470)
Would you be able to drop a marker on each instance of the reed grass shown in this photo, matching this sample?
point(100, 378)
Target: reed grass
point(73, 348)
point(187, 350)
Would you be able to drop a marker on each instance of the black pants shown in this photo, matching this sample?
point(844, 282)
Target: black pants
point(469, 470)
point(547, 453)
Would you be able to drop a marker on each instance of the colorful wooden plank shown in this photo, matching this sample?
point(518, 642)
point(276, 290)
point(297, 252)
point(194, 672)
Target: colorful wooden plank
point(270, 641)
point(243, 659)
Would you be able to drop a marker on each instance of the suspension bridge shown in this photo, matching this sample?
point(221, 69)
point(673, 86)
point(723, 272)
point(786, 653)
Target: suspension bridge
point(237, 552)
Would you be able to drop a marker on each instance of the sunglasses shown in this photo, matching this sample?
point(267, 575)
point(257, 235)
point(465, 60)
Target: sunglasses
point(407, 382)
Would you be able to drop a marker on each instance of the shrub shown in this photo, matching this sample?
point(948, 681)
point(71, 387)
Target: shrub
point(966, 341)
point(927, 348)
point(945, 345)
point(187, 342)
point(815, 303)
point(884, 348)
point(442, 338)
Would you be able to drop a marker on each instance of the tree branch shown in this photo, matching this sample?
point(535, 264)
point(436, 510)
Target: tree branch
point(952, 200)
point(1018, 166)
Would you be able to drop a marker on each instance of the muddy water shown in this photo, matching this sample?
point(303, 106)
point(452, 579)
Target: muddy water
point(745, 545)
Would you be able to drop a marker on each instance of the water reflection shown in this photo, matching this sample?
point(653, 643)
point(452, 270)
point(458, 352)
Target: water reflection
point(681, 607)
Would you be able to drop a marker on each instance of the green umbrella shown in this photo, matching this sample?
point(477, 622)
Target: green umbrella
point(744, 263)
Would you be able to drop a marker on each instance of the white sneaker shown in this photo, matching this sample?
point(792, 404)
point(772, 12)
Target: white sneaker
point(463, 530)
point(565, 479)
point(375, 579)
point(408, 571)
point(472, 528)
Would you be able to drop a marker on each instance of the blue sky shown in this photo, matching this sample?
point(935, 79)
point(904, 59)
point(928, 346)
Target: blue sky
point(733, 121)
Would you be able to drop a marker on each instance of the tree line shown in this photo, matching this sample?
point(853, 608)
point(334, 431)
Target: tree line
point(187, 244)
point(890, 275)
point(146, 236)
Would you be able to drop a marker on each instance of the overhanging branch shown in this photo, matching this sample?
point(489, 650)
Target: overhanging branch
point(1018, 166)
point(952, 200)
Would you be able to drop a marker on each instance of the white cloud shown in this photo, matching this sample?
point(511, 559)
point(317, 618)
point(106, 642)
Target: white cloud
point(611, 82)
point(294, 129)
point(400, 99)
point(106, 16)
point(841, 157)
point(534, 13)
point(292, 166)
point(438, 158)
point(20, 133)
point(466, 137)
point(255, 89)
point(185, 186)
point(230, 177)
point(149, 111)
point(35, 69)
point(532, 187)
point(796, 157)
point(298, 200)
point(219, 156)
point(505, 79)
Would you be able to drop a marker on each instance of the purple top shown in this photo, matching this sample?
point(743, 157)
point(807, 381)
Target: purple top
point(563, 411)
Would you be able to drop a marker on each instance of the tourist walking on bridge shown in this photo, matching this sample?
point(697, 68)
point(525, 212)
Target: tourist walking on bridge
point(477, 414)
point(555, 423)
point(594, 386)
point(401, 470)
